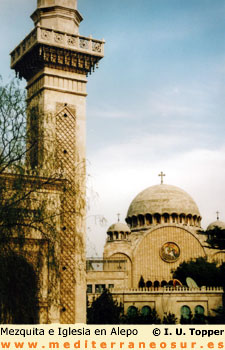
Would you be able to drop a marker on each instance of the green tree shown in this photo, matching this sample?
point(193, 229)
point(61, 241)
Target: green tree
point(23, 209)
point(169, 318)
point(138, 318)
point(215, 237)
point(204, 273)
point(141, 283)
point(104, 310)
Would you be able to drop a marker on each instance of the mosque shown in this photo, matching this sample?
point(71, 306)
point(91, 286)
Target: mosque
point(161, 231)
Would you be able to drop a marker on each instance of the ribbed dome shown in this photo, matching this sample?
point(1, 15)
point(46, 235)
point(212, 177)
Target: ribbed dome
point(217, 223)
point(163, 199)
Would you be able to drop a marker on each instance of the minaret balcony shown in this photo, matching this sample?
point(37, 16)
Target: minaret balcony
point(57, 47)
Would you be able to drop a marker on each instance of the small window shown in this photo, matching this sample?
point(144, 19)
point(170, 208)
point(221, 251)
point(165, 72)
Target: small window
point(89, 288)
point(110, 286)
point(99, 288)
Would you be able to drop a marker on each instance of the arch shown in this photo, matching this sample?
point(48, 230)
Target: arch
point(156, 284)
point(132, 311)
point(174, 218)
point(199, 310)
point(128, 221)
point(148, 219)
point(144, 253)
point(148, 284)
point(163, 283)
point(166, 218)
point(195, 220)
point(189, 220)
point(18, 290)
point(110, 236)
point(141, 220)
point(146, 310)
point(157, 218)
point(134, 221)
point(185, 312)
point(182, 218)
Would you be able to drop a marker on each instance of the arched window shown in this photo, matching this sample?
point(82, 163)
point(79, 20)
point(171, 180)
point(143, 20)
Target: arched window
point(131, 311)
point(185, 312)
point(163, 283)
point(148, 219)
point(166, 218)
point(134, 221)
point(157, 218)
point(156, 284)
point(148, 284)
point(141, 220)
point(110, 237)
point(146, 310)
point(174, 218)
point(199, 310)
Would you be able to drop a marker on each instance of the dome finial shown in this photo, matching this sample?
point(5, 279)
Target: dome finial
point(118, 217)
point(161, 174)
point(217, 215)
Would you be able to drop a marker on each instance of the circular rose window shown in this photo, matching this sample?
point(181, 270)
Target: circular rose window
point(170, 252)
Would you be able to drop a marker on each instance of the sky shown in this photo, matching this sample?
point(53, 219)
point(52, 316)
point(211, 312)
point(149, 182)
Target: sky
point(155, 104)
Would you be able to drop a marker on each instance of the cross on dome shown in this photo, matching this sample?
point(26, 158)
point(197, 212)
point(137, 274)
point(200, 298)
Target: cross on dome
point(217, 213)
point(161, 175)
point(118, 217)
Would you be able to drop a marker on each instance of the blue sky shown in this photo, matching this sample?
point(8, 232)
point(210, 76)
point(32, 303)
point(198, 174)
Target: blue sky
point(155, 103)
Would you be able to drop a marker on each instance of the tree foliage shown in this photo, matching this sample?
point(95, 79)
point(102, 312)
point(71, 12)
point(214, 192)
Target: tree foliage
point(104, 310)
point(215, 237)
point(141, 283)
point(23, 210)
point(204, 273)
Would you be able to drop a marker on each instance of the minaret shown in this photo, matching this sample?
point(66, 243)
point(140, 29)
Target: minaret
point(55, 61)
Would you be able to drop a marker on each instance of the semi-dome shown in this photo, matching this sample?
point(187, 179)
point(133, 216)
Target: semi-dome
point(216, 224)
point(163, 204)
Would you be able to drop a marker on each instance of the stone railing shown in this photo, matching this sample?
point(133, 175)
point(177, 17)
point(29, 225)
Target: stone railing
point(168, 289)
point(40, 35)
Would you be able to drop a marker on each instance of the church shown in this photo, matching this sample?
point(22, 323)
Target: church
point(161, 231)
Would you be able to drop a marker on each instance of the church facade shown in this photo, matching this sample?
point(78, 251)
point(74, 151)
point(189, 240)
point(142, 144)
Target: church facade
point(161, 231)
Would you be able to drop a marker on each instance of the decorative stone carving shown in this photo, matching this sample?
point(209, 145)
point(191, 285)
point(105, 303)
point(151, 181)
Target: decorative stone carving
point(45, 34)
point(96, 46)
point(84, 44)
point(58, 37)
point(71, 41)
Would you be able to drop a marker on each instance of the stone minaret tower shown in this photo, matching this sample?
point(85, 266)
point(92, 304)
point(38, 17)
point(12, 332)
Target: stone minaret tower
point(55, 61)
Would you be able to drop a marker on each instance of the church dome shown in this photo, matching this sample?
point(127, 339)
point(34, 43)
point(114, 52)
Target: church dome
point(119, 227)
point(163, 204)
point(216, 224)
point(118, 232)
